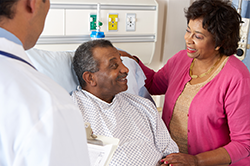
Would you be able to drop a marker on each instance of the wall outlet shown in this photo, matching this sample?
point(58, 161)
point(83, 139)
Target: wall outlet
point(130, 21)
point(92, 22)
point(242, 48)
point(113, 21)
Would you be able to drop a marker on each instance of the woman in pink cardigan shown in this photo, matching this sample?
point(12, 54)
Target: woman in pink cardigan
point(207, 90)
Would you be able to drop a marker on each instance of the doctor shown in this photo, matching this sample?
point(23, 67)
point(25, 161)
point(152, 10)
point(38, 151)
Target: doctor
point(39, 124)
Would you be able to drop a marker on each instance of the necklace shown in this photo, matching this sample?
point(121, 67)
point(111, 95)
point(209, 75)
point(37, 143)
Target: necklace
point(203, 74)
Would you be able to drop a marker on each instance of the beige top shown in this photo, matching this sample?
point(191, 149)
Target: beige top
point(179, 122)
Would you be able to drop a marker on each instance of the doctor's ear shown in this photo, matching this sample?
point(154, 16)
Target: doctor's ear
point(30, 5)
point(89, 78)
point(34, 6)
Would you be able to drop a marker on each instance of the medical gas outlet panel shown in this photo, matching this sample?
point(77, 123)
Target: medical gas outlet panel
point(130, 25)
point(113, 21)
point(243, 43)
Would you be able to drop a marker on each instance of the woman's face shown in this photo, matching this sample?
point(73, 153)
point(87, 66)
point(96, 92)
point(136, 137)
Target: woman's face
point(200, 42)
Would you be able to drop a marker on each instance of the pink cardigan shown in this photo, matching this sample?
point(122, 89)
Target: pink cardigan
point(219, 115)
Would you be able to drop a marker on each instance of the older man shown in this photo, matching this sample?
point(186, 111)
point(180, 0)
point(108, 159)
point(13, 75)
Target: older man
point(39, 124)
point(144, 139)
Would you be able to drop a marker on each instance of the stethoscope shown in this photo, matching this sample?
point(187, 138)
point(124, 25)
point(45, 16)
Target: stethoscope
point(15, 57)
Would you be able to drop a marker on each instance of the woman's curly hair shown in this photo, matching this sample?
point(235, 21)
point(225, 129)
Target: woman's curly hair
point(221, 19)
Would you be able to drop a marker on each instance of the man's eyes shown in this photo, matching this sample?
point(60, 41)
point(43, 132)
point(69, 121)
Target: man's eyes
point(114, 66)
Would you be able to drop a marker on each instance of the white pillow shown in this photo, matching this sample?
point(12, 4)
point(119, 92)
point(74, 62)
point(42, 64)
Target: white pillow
point(55, 64)
point(135, 76)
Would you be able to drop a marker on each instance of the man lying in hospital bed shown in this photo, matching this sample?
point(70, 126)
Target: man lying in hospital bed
point(144, 138)
point(58, 66)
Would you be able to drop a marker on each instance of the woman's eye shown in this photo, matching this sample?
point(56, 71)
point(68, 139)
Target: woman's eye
point(187, 30)
point(198, 37)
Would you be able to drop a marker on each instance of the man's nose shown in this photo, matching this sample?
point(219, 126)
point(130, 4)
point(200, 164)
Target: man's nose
point(124, 69)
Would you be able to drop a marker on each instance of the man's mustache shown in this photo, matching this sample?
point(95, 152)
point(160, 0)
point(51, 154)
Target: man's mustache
point(122, 76)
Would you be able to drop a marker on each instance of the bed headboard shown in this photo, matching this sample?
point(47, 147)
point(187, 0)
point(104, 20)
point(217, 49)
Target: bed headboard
point(69, 24)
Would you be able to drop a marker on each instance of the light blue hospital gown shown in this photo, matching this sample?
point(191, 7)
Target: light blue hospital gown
point(144, 138)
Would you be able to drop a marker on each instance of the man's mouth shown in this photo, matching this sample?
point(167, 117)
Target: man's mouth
point(122, 77)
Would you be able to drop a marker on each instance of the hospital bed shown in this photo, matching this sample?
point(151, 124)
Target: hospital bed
point(69, 23)
point(58, 66)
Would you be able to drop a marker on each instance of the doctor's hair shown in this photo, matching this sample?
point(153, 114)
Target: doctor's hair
point(84, 60)
point(7, 8)
point(221, 19)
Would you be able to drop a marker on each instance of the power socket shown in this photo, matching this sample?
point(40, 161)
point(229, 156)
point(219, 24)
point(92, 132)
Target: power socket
point(130, 21)
point(242, 48)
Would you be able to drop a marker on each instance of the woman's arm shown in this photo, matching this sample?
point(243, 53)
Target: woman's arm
point(215, 157)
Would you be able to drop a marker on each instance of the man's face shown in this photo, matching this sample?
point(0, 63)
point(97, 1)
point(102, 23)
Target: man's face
point(111, 77)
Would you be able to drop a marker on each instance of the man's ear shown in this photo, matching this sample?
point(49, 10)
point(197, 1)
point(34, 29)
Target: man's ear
point(89, 78)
